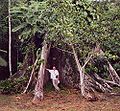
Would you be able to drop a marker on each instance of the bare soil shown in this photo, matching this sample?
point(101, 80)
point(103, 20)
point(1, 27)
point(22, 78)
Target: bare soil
point(65, 100)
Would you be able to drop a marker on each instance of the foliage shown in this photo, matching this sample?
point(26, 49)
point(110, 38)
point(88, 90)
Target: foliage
point(27, 17)
point(69, 21)
point(65, 20)
point(3, 19)
point(109, 26)
point(12, 86)
point(107, 32)
point(3, 25)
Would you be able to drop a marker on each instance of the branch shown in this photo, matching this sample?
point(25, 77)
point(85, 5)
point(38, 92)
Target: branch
point(87, 60)
point(113, 83)
point(97, 49)
point(64, 50)
point(3, 51)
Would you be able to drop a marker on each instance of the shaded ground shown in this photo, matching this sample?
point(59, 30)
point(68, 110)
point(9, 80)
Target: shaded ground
point(65, 100)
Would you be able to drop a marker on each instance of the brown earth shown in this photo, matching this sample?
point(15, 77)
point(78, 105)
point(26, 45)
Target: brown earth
point(65, 100)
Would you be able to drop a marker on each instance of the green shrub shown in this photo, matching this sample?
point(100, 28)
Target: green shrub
point(12, 86)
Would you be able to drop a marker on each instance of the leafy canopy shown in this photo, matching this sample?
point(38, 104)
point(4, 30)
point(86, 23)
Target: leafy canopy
point(64, 18)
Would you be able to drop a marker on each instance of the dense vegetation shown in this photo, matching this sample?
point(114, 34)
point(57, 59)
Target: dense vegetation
point(70, 25)
point(100, 24)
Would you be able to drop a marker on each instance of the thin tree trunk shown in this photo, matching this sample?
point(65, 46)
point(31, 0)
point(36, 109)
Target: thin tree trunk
point(9, 20)
point(31, 75)
point(113, 74)
point(86, 82)
point(82, 85)
point(38, 94)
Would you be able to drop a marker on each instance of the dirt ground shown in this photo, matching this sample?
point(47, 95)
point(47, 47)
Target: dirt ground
point(65, 100)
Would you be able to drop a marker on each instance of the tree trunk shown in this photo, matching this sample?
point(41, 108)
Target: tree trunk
point(113, 74)
point(82, 85)
point(23, 70)
point(31, 75)
point(38, 94)
point(9, 21)
point(66, 66)
point(86, 82)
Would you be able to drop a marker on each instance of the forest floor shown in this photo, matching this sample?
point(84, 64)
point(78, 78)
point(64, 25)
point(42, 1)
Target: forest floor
point(65, 100)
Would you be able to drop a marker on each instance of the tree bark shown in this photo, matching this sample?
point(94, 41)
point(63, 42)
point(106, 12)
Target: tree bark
point(38, 94)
